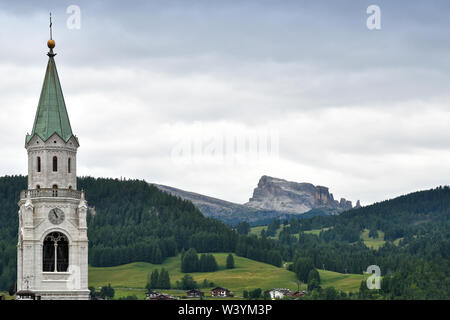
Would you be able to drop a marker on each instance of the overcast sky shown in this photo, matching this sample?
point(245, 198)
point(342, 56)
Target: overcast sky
point(363, 112)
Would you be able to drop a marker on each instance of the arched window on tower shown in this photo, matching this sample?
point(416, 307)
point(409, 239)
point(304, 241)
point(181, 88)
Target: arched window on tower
point(55, 164)
point(69, 165)
point(55, 253)
point(38, 164)
point(55, 190)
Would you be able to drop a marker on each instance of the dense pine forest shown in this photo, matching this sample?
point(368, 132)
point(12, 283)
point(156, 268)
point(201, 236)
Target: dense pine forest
point(10, 188)
point(133, 221)
point(415, 261)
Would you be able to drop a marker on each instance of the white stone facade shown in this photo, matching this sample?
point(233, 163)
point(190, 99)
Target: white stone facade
point(50, 189)
point(46, 151)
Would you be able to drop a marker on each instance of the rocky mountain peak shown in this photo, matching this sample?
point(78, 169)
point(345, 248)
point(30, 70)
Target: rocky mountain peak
point(293, 197)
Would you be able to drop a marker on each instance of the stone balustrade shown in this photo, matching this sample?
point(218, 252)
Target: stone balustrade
point(51, 193)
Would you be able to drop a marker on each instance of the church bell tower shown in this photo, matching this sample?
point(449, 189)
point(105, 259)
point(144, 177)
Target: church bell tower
point(52, 251)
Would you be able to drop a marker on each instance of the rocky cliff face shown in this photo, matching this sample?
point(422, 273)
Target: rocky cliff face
point(273, 198)
point(293, 197)
point(225, 211)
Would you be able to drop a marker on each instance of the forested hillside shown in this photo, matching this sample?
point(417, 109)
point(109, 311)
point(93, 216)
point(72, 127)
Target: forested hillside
point(132, 221)
point(415, 259)
point(10, 188)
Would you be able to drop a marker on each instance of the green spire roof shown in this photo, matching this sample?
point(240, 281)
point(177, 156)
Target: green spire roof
point(51, 115)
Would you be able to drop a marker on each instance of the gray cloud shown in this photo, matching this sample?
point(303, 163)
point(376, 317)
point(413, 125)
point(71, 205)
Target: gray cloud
point(363, 112)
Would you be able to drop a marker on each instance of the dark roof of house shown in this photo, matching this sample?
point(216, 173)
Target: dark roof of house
point(296, 293)
point(25, 293)
point(194, 290)
point(219, 289)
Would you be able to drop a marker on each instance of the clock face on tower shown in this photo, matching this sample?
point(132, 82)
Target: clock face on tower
point(56, 216)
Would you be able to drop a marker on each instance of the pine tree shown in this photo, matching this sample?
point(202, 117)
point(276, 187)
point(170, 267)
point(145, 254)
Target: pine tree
point(302, 267)
point(211, 263)
point(188, 283)
point(313, 280)
point(230, 261)
point(154, 279)
point(373, 233)
point(313, 275)
point(157, 257)
point(203, 263)
point(190, 261)
point(243, 228)
point(164, 279)
point(207, 263)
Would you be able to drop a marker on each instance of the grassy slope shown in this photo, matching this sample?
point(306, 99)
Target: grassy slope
point(315, 231)
point(344, 282)
point(257, 231)
point(248, 274)
point(373, 243)
point(369, 242)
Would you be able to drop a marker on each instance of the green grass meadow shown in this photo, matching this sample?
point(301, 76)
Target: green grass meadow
point(371, 242)
point(130, 279)
point(257, 231)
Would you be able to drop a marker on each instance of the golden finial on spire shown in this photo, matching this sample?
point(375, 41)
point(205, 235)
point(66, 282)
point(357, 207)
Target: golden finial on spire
point(51, 42)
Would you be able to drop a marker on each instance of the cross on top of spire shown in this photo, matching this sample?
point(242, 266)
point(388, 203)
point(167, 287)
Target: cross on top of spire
point(51, 42)
point(50, 26)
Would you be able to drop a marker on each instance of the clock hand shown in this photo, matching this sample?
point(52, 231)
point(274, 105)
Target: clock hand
point(54, 212)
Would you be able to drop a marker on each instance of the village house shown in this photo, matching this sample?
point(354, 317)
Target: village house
point(279, 293)
point(153, 295)
point(194, 293)
point(220, 292)
point(162, 296)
